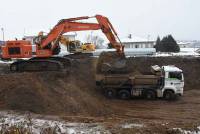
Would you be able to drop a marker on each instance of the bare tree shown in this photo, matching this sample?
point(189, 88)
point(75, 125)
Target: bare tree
point(97, 40)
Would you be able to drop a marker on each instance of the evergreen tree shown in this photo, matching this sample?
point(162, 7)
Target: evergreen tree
point(157, 44)
point(167, 44)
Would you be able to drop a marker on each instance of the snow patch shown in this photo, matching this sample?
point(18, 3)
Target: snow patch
point(188, 131)
point(6, 62)
point(132, 125)
point(37, 126)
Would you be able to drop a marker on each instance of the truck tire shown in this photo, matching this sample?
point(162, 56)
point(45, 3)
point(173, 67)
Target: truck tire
point(150, 95)
point(124, 94)
point(110, 93)
point(169, 95)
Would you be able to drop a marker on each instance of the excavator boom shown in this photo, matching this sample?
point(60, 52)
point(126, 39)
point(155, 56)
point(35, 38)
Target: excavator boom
point(72, 24)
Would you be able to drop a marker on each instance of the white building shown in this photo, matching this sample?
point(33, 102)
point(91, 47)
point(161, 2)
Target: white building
point(137, 42)
point(184, 44)
point(70, 36)
point(129, 52)
point(189, 44)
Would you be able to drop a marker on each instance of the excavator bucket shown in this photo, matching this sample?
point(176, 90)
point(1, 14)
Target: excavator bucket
point(112, 62)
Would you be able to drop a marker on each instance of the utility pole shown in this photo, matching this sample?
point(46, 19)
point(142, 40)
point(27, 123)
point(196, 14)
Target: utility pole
point(2, 29)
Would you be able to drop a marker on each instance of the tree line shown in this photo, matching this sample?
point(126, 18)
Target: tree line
point(167, 44)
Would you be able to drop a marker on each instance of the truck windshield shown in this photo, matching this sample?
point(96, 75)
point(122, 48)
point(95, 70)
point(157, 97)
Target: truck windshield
point(176, 75)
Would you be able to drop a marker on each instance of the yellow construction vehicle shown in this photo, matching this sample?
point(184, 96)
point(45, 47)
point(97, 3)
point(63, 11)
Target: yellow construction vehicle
point(75, 46)
point(88, 47)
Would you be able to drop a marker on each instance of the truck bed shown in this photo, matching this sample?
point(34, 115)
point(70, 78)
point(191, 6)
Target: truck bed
point(136, 80)
point(144, 80)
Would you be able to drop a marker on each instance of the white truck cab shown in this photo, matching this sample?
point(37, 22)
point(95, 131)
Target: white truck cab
point(173, 82)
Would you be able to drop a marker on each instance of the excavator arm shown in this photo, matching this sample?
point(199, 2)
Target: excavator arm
point(73, 24)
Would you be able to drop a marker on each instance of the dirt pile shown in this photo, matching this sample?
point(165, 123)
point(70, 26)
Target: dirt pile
point(71, 93)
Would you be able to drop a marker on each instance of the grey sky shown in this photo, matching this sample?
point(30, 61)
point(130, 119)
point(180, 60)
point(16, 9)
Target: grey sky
point(181, 18)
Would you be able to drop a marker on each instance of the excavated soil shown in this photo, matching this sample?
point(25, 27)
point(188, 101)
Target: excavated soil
point(73, 96)
point(71, 93)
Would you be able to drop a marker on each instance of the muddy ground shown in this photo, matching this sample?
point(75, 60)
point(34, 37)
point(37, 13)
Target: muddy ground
point(74, 97)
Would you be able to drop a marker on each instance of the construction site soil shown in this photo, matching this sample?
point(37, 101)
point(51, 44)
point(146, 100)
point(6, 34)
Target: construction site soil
point(73, 96)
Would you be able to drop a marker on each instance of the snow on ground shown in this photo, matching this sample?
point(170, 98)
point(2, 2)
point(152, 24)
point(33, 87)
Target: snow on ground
point(36, 126)
point(188, 131)
point(189, 53)
point(6, 62)
point(10, 120)
point(132, 125)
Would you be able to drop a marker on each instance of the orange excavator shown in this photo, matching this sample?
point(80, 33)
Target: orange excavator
point(42, 53)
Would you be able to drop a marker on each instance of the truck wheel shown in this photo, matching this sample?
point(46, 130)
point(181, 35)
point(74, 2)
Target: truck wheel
point(124, 95)
point(169, 95)
point(150, 95)
point(110, 93)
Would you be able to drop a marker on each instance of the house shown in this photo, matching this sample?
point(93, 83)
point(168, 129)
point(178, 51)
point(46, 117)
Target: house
point(137, 42)
point(70, 36)
point(183, 44)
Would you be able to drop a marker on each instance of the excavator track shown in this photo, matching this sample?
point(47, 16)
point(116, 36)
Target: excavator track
point(41, 64)
point(80, 55)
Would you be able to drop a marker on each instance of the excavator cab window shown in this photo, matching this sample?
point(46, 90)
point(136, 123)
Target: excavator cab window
point(14, 50)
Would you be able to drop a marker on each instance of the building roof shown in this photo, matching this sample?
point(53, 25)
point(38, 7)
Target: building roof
point(70, 34)
point(135, 39)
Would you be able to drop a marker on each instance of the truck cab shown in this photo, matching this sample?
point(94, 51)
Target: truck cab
point(173, 82)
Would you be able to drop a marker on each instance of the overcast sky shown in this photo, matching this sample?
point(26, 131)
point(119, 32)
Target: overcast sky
point(181, 18)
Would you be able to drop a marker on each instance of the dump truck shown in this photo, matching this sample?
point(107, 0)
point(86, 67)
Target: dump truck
point(164, 82)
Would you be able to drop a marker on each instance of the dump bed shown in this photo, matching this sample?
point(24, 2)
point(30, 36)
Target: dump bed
point(135, 80)
point(116, 79)
point(144, 80)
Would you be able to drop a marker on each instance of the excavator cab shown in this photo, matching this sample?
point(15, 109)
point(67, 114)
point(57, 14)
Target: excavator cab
point(74, 46)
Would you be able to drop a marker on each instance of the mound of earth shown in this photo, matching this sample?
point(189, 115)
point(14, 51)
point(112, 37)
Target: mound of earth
point(71, 93)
